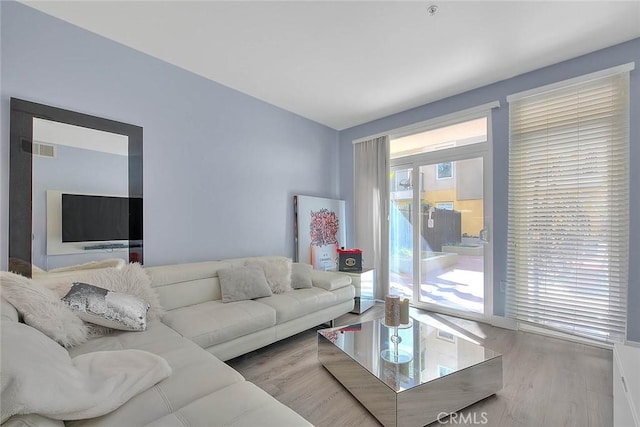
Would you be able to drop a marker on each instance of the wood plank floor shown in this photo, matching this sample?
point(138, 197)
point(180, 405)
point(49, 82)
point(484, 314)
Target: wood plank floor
point(547, 381)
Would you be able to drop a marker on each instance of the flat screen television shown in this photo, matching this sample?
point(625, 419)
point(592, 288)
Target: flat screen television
point(89, 218)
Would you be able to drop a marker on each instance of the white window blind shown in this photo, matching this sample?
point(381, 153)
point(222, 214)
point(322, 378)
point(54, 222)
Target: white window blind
point(568, 208)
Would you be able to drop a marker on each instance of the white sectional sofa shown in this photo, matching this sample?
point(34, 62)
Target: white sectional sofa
point(197, 333)
point(192, 297)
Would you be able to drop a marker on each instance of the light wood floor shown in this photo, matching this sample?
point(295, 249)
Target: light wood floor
point(547, 381)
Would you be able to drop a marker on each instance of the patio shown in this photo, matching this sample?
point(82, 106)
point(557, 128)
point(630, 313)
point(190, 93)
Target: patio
point(459, 286)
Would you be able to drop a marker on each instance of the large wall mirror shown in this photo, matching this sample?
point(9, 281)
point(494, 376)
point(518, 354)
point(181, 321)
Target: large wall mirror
point(75, 189)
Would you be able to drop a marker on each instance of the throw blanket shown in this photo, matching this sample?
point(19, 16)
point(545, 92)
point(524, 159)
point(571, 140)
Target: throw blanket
point(38, 376)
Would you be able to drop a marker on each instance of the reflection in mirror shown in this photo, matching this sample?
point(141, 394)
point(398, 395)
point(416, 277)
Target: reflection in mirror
point(73, 161)
point(75, 189)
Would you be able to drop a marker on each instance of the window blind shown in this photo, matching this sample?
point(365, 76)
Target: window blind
point(568, 208)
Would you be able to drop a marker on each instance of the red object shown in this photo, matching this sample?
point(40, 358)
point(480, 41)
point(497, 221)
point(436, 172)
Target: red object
point(350, 251)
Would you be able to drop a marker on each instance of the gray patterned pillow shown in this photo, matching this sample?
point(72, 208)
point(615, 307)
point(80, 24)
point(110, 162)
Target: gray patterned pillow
point(243, 283)
point(106, 308)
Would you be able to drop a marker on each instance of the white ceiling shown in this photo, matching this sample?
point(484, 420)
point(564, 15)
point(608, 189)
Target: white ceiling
point(343, 63)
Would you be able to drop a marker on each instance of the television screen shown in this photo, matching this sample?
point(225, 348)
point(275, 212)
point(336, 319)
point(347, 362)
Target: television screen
point(88, 218)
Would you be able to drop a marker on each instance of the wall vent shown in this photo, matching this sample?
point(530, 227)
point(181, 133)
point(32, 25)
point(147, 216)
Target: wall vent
point(44, 150)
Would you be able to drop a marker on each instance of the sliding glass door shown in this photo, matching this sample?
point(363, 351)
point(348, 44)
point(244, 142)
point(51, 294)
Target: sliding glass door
point(439, 239)
point(401, 232)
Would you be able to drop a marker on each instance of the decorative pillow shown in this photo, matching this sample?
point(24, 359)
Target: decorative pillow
point(301, 276)
point(41, 309)
point(243, 283)
point(105, 308)
point(277, 270)
point(130, 279)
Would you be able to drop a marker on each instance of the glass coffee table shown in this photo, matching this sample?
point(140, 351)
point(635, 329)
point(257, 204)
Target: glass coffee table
point(412, 375)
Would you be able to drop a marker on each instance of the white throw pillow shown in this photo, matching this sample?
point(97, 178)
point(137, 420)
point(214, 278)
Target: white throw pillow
point(41, 308)
point(243, 283)
point(277, 270)
point(301, 276)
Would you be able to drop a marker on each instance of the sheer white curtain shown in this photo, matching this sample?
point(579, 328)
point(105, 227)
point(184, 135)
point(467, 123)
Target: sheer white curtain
point(371, 206)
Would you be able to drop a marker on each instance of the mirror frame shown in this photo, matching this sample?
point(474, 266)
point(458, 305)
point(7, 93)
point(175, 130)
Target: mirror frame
point(20, 174)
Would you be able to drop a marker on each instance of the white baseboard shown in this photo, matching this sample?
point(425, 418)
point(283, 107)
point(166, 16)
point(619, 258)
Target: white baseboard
point(534, 329)
point(503, 322)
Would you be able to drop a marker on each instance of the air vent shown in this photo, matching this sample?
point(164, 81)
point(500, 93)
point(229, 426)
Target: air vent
point(44, 150)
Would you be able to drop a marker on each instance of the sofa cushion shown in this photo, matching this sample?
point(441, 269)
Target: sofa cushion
point(8, 311)
point(329, 280)
point(301, 276)
point(213, 322)
point(238, 405)
point(180, 285)
point(243, 283)
point(298, 303)
point(195, 374)
point(32, 420)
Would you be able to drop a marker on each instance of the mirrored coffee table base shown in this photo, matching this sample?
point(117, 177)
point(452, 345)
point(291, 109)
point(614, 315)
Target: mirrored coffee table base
point(413, 393)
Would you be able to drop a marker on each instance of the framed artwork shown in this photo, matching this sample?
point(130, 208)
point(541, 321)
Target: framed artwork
point(319, 230)
point(444, 170)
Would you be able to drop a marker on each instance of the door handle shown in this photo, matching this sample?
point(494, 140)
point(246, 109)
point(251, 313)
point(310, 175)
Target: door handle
point(484, 235)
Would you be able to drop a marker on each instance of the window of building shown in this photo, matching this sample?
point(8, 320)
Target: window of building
point(568, 216)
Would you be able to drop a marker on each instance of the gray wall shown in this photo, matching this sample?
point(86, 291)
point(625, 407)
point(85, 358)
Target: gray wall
point(616, 55)
point(220, 167)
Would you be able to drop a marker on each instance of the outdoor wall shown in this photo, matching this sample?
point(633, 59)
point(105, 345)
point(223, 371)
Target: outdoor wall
point(471, 210)
point(603, 59)
point(220, 167)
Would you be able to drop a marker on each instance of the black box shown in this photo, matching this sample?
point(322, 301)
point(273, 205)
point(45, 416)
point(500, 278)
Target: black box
point(349, 260)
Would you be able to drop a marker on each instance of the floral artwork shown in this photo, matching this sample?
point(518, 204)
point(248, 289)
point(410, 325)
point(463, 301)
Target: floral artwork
point(324, 227)
point(319, 231)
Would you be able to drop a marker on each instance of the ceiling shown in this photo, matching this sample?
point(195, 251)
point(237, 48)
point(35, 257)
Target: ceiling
point(343, 63)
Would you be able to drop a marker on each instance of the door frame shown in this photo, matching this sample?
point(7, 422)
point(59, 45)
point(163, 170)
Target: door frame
point(483, 150)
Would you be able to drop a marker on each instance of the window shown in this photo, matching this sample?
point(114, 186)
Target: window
point(445, 205)
point(441, 138)
point(568, 206)
point(444, 170)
